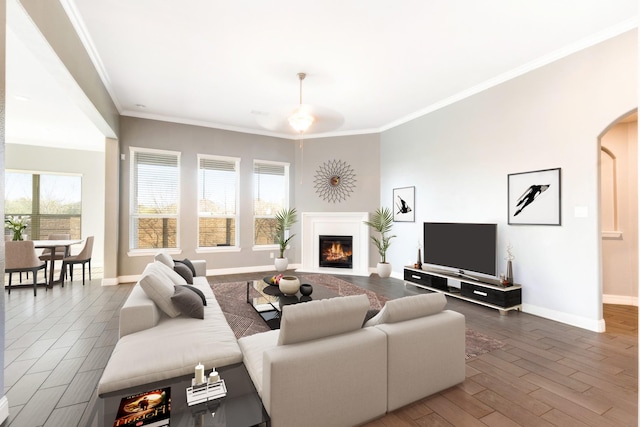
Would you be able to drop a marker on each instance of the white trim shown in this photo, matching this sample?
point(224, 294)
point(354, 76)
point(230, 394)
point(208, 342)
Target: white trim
point(153, 252)
point(4, 408)
point(128, 279)
point(569, 319)
point(620, 300)
point(214, 249)
point(266, 248)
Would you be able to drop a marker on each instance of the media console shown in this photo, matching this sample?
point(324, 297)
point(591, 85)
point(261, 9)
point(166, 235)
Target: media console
point(488, 293)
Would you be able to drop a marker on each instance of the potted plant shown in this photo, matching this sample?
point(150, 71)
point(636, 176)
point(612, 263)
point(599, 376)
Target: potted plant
point(382, 221)
point(17, 224)
point(285, 218)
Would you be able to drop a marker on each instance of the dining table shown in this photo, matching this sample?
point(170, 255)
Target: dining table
point(53, 245)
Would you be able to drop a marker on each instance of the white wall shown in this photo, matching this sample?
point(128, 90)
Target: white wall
point(620, 254)
point(89, 164)
point(459, 158)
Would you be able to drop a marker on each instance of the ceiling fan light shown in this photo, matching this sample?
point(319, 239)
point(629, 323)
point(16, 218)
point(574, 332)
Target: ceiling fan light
point(301, 120)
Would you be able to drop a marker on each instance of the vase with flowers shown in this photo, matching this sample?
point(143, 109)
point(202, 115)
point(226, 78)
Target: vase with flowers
point(17, 224)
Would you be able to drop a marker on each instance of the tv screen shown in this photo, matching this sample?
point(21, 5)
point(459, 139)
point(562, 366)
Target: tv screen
point(462, 246)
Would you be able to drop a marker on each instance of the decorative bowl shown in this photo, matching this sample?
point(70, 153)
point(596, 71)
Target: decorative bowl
point(289, 285)
point(306, 289)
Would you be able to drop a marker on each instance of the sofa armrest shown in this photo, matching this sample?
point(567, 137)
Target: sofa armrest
point(333, 381)
point(200, 266)
point(139, 312)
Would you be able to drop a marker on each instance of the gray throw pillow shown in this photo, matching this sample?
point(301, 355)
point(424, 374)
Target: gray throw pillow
point(189, 303)
point(197, 291)
point(184, 271)
point(189, 264)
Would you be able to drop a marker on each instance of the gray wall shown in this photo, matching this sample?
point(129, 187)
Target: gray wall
point(459, 158)
point(191, 141)
point(4, 406)
point(361, 152)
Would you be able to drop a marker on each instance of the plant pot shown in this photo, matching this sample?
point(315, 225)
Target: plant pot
point(289, 285)
point(281, 264)
point(384, 269)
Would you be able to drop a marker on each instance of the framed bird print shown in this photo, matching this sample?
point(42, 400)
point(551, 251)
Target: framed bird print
point(404, 204)
point(534, 197)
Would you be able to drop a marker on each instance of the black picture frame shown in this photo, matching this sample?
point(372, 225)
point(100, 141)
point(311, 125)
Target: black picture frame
point(404, 200)
point(534, 198)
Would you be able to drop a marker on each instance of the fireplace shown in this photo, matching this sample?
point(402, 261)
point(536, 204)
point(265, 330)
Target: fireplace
point(336, 251)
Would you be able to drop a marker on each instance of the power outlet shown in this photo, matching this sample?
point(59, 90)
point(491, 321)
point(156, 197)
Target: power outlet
point(271, 255)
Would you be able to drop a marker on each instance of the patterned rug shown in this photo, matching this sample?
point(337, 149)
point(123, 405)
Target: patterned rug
point(244, 321)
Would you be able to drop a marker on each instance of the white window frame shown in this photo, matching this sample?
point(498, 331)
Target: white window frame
point(235, 246)
point(133, 203)
point(286, 166)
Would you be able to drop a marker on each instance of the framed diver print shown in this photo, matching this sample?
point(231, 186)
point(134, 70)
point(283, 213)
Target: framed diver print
point(534, 197)
point(404, 200)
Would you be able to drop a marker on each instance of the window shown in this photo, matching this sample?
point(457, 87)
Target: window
point(217, 201)
point(155, 196)
point(270, 194)
point(52, 202)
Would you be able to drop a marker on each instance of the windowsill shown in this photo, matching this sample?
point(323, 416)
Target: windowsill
point(265, 248)
point(218, 249)
point(152, 252)
point(612, 235)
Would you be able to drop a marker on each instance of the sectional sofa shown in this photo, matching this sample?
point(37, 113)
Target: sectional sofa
point(323, 367)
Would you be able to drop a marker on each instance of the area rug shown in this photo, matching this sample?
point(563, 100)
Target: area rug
point(244, 321)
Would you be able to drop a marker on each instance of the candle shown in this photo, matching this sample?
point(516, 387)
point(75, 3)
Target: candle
point(199, 373)
point(213, 376)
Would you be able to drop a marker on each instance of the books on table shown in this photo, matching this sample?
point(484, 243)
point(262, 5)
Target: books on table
point(148, 409)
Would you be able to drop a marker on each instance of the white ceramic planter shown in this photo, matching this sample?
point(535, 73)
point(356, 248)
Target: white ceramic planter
point(289, 285)
point(281, 264)
point(384, 269)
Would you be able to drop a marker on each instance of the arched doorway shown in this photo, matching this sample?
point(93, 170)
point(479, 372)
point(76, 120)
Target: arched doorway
point(619, 210)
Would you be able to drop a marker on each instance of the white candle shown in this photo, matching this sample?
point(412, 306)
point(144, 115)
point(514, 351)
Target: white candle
point(213, 376)
point(199, 373)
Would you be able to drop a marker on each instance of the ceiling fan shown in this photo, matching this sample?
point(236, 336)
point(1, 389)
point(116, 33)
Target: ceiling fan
point(303, 119)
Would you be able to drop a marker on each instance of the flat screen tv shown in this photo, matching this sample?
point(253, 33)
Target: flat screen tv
point(467, 248)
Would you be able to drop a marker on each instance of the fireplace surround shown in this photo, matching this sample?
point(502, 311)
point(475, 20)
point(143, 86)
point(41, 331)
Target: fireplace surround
point(316, 224)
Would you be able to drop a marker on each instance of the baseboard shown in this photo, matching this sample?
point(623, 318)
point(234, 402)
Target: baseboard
point(620, 300)
point(4, 409)
point(569, 319)
point(110, 281)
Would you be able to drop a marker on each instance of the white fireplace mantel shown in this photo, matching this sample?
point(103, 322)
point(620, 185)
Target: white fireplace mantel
point(315, 224)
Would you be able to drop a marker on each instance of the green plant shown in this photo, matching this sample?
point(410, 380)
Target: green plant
point(17, 224)
point(382, 221)
point(285, 218)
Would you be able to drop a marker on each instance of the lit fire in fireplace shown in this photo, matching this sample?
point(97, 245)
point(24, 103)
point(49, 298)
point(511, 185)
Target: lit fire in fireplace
point(335, 253)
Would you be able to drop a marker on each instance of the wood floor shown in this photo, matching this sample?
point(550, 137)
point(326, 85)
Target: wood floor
point(547, 373)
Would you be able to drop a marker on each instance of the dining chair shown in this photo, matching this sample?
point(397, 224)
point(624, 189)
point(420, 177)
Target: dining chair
point(84, 257)
point(21, 256)
point(60, 253)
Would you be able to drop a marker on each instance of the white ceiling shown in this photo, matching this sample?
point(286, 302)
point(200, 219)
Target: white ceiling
point(370, 64)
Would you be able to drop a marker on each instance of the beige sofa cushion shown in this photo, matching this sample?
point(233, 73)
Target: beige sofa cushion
point(169, 273)
point(407, 308)
point(165, 258)
point(160, 289)
point(317, 319)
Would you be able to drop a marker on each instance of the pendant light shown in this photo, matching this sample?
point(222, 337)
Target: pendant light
point(301, 120)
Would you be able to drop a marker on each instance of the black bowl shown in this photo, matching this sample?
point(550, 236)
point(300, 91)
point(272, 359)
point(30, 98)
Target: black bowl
point(306, 289)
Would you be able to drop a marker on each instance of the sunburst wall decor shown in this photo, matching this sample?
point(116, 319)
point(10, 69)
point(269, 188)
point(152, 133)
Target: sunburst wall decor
point(334, 181)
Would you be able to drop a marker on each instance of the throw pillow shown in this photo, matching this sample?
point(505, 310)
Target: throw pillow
point(407, 308)
point(160, 290)
point(189, 264)
point(184, 271)
point(196, 291)
point(322, 318)
point(169, 273)
point(164, 258)
point(188, 302)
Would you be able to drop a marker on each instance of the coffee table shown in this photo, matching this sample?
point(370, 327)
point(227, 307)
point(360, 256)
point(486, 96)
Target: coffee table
point(269, 300)
point(240, 407)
